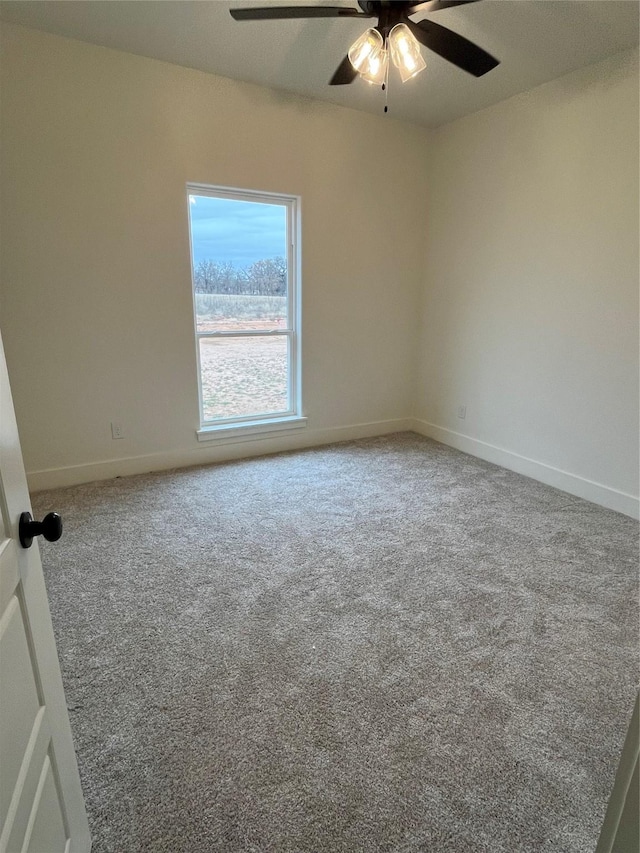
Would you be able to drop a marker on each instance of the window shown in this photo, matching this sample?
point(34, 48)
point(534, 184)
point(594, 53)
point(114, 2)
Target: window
point(246, 297)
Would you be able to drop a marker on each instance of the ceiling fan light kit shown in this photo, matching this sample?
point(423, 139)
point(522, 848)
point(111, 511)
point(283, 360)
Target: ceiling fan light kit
point(377, 67)
point(369, 57)
point(369, 54)
point(363, 47)
point(395, 35)
point(405, 52)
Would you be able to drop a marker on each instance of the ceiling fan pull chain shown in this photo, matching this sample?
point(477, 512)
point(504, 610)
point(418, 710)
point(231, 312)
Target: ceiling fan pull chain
point(385, 89)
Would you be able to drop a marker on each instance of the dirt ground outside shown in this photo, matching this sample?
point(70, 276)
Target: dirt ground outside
point(243, 376)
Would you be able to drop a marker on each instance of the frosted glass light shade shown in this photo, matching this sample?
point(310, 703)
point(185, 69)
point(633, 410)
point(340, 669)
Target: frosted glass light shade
point(362, 48)
point(405, 52)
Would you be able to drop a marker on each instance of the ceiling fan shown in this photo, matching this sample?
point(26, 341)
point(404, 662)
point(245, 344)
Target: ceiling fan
point(394, 33)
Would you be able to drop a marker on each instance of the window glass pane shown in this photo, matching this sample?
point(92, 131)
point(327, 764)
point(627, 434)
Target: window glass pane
point(244, 376)
point(239, 259)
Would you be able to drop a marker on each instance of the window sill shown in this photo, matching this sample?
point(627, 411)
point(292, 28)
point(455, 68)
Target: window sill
point(256, 429)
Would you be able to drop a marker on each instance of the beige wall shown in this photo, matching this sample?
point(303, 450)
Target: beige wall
point(95, 309)
point(530, 314)
point(522, 256)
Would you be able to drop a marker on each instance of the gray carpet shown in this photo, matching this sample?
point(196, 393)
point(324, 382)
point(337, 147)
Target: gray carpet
point(382, 645)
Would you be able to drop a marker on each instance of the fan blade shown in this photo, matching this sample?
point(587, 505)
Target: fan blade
point(436, 5)
point(281, 12)
point(344, 73)
point(453, 47)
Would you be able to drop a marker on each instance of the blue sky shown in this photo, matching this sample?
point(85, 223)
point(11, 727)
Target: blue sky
point(237, 231)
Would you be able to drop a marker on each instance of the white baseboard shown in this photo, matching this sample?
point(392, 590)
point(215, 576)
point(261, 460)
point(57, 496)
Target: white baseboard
point(563, 480)
point(223, 450)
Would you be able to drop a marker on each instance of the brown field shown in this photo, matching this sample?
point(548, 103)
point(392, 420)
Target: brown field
point(242, 376)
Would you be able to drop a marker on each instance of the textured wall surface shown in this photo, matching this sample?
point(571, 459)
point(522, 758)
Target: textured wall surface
point(96, 316)
point(531, 304)
point(495, 268)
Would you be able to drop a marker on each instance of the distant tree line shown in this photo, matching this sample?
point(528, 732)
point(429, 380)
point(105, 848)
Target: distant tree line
point(267, 277)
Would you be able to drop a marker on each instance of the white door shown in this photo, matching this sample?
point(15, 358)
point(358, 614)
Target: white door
point(41, 804)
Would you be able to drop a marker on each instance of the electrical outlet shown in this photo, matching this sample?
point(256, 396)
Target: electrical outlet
point(462, 412)
point(116, 430)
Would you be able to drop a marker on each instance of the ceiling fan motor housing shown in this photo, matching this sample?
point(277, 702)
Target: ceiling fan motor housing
point(375, 7)
point(388, 12)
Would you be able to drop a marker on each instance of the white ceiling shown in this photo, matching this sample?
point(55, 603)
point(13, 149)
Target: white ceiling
point(536, 41)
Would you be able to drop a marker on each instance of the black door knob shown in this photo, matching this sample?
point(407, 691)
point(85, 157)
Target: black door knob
point(50, 527)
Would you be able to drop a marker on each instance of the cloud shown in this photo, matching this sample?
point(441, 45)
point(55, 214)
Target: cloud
point(239, 232)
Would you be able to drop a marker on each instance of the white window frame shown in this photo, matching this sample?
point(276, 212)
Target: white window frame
point(246, 425)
